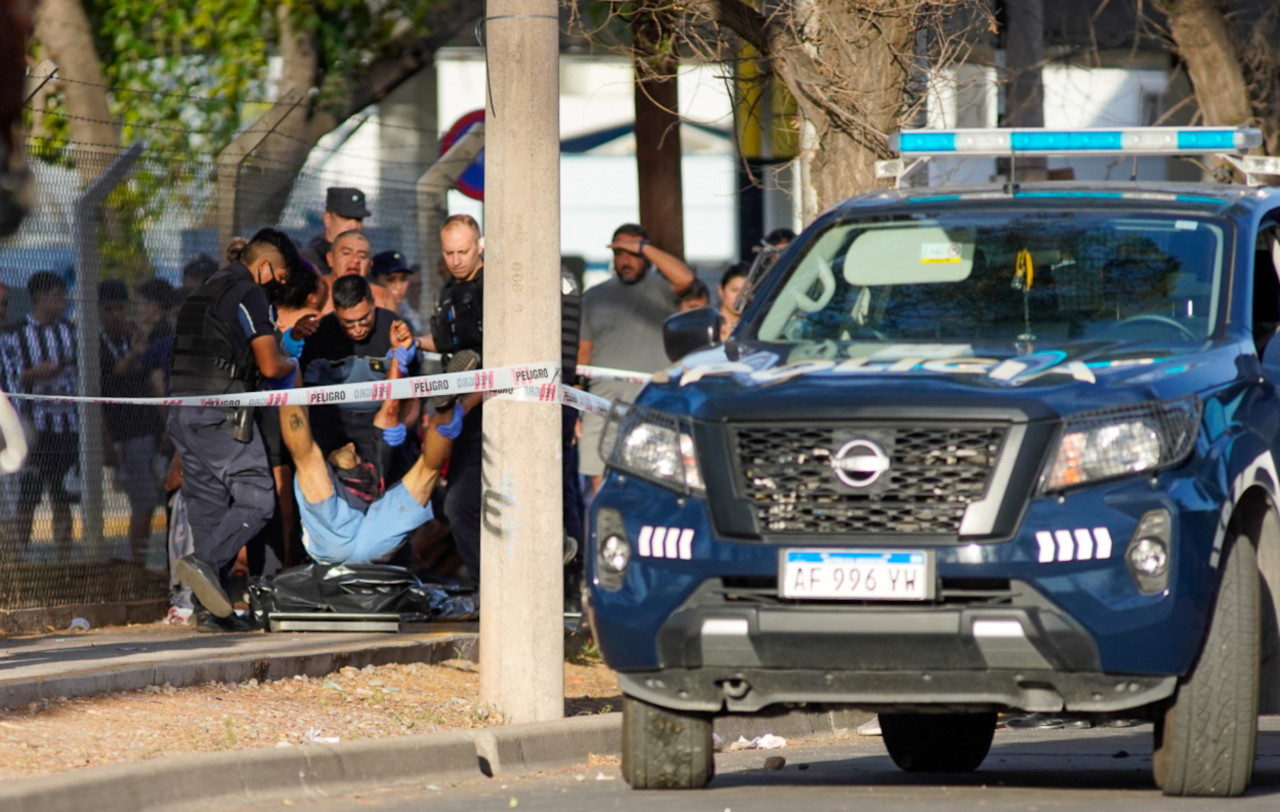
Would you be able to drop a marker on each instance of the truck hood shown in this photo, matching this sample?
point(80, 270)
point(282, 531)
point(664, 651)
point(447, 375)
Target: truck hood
point(752, 380)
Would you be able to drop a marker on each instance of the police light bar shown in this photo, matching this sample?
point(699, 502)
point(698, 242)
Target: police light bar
point(1118, 141)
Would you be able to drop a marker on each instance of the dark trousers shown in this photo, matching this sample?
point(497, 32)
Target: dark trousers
point(52, 455)
point(462, 498)
point(227, 484)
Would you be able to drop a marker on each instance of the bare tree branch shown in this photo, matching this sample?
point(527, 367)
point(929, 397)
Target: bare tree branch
point(448, 19)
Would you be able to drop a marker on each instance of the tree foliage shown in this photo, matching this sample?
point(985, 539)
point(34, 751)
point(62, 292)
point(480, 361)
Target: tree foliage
point(187, 76)
point(181, 74)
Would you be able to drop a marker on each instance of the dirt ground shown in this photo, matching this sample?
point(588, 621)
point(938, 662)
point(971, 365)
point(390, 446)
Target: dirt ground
point(368, 703)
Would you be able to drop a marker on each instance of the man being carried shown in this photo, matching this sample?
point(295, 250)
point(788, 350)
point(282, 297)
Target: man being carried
point(347, 518)
point(352, 345)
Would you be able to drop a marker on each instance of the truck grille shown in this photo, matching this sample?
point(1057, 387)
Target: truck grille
point(786, 472)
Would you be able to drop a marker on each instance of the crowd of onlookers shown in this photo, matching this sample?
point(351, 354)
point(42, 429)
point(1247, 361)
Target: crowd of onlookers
point(39, 355)
point(346, 313)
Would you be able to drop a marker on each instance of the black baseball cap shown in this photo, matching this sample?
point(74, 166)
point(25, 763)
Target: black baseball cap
point(346, 201)
point(112, 290)
point(157, 291)
point(389, 262)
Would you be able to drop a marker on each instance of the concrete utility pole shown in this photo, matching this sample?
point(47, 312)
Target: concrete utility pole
point(522, 575)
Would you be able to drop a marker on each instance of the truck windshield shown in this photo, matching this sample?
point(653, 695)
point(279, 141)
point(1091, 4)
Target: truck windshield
point(1027, 279)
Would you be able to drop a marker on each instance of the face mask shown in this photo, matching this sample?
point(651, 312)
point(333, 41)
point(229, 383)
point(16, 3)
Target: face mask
point(363, 481)
point(274, 289)
point(273, 286)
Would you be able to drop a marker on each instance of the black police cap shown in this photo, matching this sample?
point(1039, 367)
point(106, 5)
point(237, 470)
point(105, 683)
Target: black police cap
point(389, 262)
point(346, 201)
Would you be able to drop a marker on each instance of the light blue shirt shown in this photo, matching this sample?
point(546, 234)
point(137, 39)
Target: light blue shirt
point(334, 531)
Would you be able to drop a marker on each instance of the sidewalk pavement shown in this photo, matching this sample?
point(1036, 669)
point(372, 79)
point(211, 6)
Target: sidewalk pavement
point(122, 659)
point(97, 662)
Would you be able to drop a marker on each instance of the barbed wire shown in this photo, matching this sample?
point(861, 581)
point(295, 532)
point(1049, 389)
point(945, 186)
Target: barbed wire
point(211, 164)
point(54, 77)
point(190, 131)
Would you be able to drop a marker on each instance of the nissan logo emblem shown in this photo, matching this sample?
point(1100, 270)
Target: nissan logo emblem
point(860, 463)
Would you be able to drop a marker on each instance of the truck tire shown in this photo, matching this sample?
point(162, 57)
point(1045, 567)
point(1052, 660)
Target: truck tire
point(665, 749)
point(1205, 740)
point(936, 743)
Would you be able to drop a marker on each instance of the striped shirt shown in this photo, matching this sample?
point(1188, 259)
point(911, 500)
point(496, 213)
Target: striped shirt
point(30, 344)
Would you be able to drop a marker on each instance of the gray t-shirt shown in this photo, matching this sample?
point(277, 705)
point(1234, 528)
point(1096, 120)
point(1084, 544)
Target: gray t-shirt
point(624, 324)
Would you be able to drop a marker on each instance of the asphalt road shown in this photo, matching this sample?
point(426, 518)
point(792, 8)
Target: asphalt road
point(1026, 770)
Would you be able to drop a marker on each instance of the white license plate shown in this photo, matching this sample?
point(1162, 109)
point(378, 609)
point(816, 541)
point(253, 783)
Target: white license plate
point(875, 575)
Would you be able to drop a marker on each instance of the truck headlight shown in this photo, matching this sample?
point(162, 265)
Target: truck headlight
point(652, 445)
point(1148, 552)
point(613, 549)
point(1119, 442)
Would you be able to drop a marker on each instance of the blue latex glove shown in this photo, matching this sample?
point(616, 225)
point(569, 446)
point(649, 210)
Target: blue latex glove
point(394, 436)
point(290, 380)
point(403, 356)
point(453, 428)
point(291, 344)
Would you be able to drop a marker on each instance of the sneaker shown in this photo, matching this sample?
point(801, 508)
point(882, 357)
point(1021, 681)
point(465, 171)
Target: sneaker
point(178, 616)
point(239, 587)
point(461, 361)
point(211, 624)
point(203, 580)
point(870, 727)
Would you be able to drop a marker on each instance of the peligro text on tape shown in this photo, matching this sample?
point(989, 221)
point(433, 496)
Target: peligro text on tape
point(514, 382)
point(451, 383)
point(555, 393)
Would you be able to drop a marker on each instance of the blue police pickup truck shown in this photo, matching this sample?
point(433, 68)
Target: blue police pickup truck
point(1004, 449)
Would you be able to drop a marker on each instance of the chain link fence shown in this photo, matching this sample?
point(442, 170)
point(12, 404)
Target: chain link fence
point(91, 284)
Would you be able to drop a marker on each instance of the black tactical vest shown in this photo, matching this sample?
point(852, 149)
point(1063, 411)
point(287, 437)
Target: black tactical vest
point(210, 357)
point(457, 323)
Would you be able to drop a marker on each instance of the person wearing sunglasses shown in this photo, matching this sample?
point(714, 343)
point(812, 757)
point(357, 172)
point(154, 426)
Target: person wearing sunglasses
point(353, 344)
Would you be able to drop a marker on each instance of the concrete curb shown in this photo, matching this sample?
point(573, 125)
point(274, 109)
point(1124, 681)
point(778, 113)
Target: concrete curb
point(328, 770)
point(318, 770)
point(49, 618)
point(237, 668)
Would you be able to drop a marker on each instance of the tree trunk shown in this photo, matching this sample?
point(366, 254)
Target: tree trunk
point(266, 175)
point(63, 29)
point(1205, 43)
point(270, 171)
point(657, 132)
point(1024, 98)
point(851, 87)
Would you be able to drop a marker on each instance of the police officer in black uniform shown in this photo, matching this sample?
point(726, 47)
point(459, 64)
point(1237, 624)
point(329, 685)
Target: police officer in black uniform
point(457, 333)
point(225, 343)
point(344, 210)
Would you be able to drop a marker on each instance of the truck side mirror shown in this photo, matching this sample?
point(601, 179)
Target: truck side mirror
point(690, 331)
